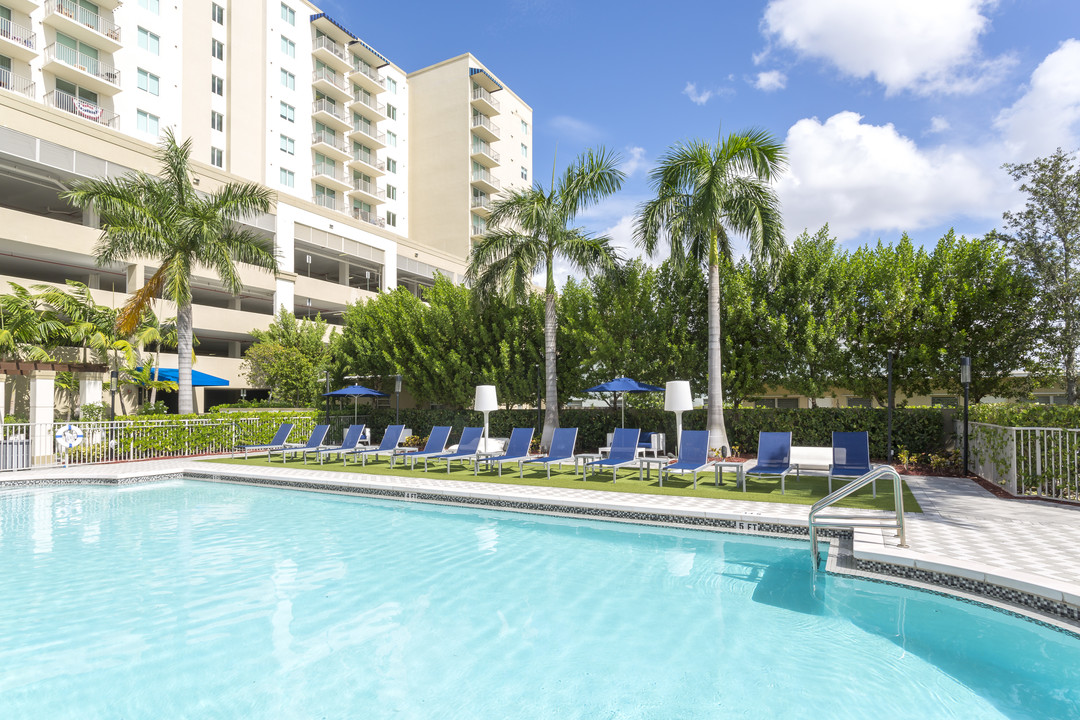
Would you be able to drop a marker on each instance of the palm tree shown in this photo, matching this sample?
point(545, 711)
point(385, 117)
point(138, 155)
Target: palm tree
point(165, 219)
point(152, 331)
point(704, 194)
point(531, 230)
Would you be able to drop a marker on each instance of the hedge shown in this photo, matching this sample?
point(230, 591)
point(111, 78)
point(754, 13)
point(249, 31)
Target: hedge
point(1026, 415)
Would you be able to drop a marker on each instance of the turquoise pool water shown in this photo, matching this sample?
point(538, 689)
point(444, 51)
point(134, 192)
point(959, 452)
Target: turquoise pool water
point(203, 600)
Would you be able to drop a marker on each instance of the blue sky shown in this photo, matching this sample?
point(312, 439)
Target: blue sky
point(897, 116)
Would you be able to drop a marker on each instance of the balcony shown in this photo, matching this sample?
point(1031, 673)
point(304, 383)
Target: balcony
point(331, 83)
point(17, 41)
point(478, 230)
point(485, 102)
point(484, 154)
point(331, 176)
point(368, 217)
point(367, 77)
point(485, 181)
point(82, 108)
point(16, 83)
point(330, 203)
point(333, 54)
point(481, 206)
point(368, 107)
point(81, 69)
point(330, 114)
point(367, 192)
point(328, 144)
point(368, 164)
point(370, 136)
point(72, 19)
point(484, 128)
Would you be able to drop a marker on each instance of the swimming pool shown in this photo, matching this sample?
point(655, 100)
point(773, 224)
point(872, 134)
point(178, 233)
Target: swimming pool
point(198, 599)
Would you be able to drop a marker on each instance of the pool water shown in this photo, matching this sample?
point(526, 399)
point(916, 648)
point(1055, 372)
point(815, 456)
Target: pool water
point(187, 599)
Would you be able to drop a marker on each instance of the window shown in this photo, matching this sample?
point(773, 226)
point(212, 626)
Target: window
point(391, 85)
point(288, 15)
point(149, 82)
point(524, 173)
point(288, 46)
point(391, 219)
point(217, 49)
point(524, 127)
point(151, 5)
point(391, 111)
point(391, 165)
point(288, 112)
point(288, 177)
point(861, 402)
point(217, 120)
point(391, 192)
point(217, 157)
point(288, 145)
point(787, 403)
point(217, 85)
point(148, 123)
point(945, 401)
point(217, 14)
point(524, 150)
point(288, 79)
point(149, 41)
point(391, 138)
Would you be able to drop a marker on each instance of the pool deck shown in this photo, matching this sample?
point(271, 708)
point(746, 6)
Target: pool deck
point(964, 532)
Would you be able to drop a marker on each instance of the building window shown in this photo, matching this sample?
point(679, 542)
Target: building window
point(524, 150)
point(288, 112)
point(217, 157)
point(149, 41)
point(217, 49)
point(391, 138)
point(288, 46)
point(391, 165)
point(391, 192)
point(288, 145)
point(288, 177)
point(148, 123)
point(288, 15)
point(945, 401)
point(217, 14)
point(151, 5)
point(217, 85)
point(524, 173)
point(217, 120)
point(787, 403)
point(391, 111)
point(391, 85)
point(524, 128)
point(391, 219)
point(288, 79)
point(860, 402)
point(149, 82)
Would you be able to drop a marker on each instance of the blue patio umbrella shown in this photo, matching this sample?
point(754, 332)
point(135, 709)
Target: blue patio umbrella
point(624, 385)
point(355, 392)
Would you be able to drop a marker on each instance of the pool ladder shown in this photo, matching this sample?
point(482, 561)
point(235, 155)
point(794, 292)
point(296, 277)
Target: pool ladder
point(858, 521)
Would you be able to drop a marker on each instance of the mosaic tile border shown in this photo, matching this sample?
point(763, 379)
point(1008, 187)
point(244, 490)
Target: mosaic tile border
point(54, 481)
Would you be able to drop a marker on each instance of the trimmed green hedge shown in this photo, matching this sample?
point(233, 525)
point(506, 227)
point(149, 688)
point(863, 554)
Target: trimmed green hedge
point(1026, 415)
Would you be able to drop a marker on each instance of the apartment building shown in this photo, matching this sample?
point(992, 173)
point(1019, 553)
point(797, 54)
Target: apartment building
point(382, 177)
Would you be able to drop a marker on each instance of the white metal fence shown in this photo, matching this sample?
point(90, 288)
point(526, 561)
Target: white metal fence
point(31, 445)
point(1036, 461)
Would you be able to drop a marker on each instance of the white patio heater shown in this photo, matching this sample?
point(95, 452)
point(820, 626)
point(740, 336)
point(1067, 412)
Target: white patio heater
point(678, 399)
point(485, 402)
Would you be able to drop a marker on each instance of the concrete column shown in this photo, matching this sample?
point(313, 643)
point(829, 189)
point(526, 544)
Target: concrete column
point(389, 274)
point(285, 292)
point(90, 218)
point(234, 303)
point(42, 406)
point(135, 277)
point(343, 272)
point(90, 388)
point(234, 349)
point(94, 281)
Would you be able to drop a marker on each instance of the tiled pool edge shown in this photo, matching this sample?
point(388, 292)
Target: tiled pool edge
point(1045, 610)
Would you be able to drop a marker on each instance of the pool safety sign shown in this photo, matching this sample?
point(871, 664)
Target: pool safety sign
point(69, 436)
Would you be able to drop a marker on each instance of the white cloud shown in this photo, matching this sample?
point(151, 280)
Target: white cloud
point(938, 124)
point(1048, 114)
point(699, 98)
point(574, 129)
point(925, 46)
point(771, 80)
point(635, 160)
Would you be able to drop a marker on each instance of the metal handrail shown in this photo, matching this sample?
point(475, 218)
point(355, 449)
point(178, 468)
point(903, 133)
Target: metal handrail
point(854, 521)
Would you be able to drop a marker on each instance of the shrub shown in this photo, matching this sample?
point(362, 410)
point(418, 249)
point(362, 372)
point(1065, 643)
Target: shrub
point(1026, 415)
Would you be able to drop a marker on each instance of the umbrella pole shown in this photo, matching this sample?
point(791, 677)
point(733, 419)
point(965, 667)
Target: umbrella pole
point(354, 402)
point(623, 409)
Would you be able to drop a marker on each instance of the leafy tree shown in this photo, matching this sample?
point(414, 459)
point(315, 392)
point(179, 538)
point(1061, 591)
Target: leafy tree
point(531, 231)
point(289, 357)
point(165, 219)
point(29, 328)
point(704, 194)
point(680, 314)
point(1044, 238)
point(753, 352)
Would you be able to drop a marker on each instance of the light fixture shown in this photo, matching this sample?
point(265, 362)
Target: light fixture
point(678, 399)
point(486, 401)
point(965, 380)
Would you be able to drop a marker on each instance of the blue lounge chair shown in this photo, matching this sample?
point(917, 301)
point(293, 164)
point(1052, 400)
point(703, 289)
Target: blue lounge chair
point(277, 443)
point(774, 457)
point(467, 448)
point(315, 441)
point(348, 443)
point(390, 440)
point(623, 452)
point(563, 441)
point(517, 450)
point(436, 444)
point(851, 456)
point(693, 455)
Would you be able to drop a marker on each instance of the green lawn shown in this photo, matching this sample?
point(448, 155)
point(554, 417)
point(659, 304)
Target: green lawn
point(805, 491)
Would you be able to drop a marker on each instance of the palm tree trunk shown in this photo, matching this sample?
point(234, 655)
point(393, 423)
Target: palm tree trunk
point(551, 400)
point(157, 370)
point(184, 341)
point(717, 430)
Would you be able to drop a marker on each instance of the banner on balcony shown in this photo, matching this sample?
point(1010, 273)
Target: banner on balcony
point(88, 110)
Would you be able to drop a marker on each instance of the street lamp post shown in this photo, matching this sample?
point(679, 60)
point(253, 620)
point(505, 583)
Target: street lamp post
point(326, 377)
point(114, 381)
point(965, 380)
point(397, 399)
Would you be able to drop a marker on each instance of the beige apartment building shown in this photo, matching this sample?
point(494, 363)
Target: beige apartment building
point(383, 177)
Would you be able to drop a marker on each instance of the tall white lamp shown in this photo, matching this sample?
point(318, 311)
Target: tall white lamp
point(678, 399)
point(485, 402)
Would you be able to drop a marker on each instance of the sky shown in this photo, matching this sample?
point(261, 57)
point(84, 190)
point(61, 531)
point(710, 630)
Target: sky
point(896, 115)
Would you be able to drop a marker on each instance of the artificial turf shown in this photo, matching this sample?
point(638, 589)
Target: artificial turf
point(804, 491)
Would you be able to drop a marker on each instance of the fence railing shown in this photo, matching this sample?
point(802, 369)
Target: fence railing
point(35, 445)
point(1027, 461)
point(17, 33)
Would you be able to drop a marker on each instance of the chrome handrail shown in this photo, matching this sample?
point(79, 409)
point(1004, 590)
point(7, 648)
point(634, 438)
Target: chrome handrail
point(859, 520)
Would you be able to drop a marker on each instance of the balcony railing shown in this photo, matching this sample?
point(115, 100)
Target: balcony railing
point(371, 133)
point(366, 70)
point(326, 201)
point(369, 102)
point(369, 160)
point(84, 62)
point(485, 149)
point(17, 34)
point(324, 43)
point(331, 77)
point(16, 83)
point(82, 108)
point(482, 94)
point(325, 106)
point(330, 171)
point(485, 176)
point(479, 228)
point(482, 202)
point(328, 139)
point(485, 122)
point(369, 187)
point(81, 15)
point(368, 217)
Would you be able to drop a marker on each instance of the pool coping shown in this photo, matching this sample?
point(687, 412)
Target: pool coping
point(1030, 597)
